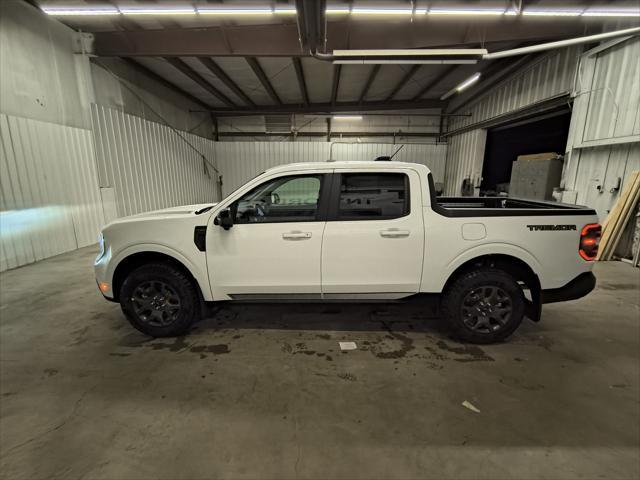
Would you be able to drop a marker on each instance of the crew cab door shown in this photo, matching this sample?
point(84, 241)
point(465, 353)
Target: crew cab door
point(373, 242)
point(273, 248)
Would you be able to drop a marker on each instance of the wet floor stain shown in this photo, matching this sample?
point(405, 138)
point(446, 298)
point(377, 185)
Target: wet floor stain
point(466, 353)
point(347, 377)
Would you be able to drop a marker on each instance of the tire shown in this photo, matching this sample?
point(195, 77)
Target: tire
point(483, 306)
point(159, 300)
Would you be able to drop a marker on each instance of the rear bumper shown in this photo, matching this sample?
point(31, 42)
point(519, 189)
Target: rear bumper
point(576, 288)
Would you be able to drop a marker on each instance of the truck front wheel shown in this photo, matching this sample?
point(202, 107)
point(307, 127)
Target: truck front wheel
point(483, 306)
point(159, 300)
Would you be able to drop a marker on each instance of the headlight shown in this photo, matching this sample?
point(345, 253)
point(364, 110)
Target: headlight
point(101, 246)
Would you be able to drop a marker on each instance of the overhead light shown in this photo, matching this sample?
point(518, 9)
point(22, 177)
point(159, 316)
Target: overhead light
point(237, 11)
point(404, 61)
point(552, 13)
point(511, 12)
point(468, 82)
point(611, 13)
point(79, 11)
point(337, 10)
point(436, 56)
point(347, 117)
point(466, 11)
point(160, 10)
point(381, 11)
point(285, 10)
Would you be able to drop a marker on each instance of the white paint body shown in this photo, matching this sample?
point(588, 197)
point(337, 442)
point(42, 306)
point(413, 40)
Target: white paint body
point(416, 253)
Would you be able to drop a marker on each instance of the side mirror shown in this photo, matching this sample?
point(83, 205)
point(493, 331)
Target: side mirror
point(224, 219)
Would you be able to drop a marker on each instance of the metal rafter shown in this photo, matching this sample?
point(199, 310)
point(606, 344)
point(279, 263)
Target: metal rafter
point(164, 82)
point(282, 39)
point(372, 76)
point(403, 81)
point(197, 78)
point(297, 63)
point(337, 69)
point(264, 80)
point(214, 68)
point(328, 108)
point(434, 82)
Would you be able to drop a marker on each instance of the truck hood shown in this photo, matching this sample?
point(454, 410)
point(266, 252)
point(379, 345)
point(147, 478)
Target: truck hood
point(171, 212)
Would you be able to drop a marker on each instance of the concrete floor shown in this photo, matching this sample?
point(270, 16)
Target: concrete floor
point(263, 391)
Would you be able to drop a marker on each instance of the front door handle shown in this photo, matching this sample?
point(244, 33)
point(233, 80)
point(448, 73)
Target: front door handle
point(296, 235)
point(394, 233)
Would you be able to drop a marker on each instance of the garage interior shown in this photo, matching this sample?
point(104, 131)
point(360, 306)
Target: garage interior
point(115, 108)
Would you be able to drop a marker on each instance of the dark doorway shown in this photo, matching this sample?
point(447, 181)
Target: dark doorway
point(505, 143)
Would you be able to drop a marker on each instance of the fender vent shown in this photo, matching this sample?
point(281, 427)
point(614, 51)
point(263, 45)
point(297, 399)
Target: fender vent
point(200, 237)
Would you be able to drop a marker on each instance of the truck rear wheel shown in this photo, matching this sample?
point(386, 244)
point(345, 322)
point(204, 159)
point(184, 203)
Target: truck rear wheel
point(159, 300)
point(483, 306)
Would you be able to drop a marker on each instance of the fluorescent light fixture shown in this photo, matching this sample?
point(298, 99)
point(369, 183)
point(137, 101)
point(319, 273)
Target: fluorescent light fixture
point(400, 61)
point(466, 11)
point(79, 11)
point(347, 117)
point(468, 82)
point(511, 12)
point(552, 13)
point(611, 13)
point(159, 10)
point(337, 10)
point(381, 11)
point(237, 11)
point(285, 10)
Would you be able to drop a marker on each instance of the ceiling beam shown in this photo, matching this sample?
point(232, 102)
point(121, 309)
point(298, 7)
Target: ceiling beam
point(197, 78)
point(328, 108)
point(297, 63)
point(372, 76)
point(403, 81)
point(337, 69)
point(214, 68)
point(264, 80)
point(138, 67)
point(282, 39)
point(331, 134)
point(445, 73)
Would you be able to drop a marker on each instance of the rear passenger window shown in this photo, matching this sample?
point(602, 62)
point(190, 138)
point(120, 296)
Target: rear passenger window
point(373, 196)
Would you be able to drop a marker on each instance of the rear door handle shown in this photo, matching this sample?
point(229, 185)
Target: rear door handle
point(394, 233)
point(296, 235)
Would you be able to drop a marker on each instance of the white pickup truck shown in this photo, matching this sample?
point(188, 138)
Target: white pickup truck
point(350, 231)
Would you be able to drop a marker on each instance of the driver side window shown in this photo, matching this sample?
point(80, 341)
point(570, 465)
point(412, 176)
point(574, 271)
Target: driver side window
point(282, 199)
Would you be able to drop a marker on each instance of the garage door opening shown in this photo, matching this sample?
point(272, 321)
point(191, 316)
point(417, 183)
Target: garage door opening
point(507, 142)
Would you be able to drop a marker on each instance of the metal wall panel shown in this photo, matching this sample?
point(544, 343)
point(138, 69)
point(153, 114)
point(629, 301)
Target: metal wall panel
point(149, 165)
point(548, 76)
point(465, 156)
point(50, 201)
point(614, 96)
point(604, 137)
point(241, 161)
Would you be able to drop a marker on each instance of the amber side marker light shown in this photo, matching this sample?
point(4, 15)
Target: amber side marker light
point(589, 241)
point(104, 287)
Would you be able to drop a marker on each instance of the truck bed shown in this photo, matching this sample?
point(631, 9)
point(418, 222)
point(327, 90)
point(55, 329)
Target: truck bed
point(500, 206)
point(503, 206)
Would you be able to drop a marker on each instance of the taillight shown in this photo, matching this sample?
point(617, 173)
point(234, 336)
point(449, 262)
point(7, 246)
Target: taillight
point(589, 241)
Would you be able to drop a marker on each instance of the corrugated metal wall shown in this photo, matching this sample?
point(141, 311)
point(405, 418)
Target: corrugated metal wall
point(241, 161)
point(547, 77)
point(148, 165)
point(467, 152)
point(604, 138)
point(50, 200)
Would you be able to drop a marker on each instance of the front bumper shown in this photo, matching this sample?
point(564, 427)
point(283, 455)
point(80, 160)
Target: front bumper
point(576, 288)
